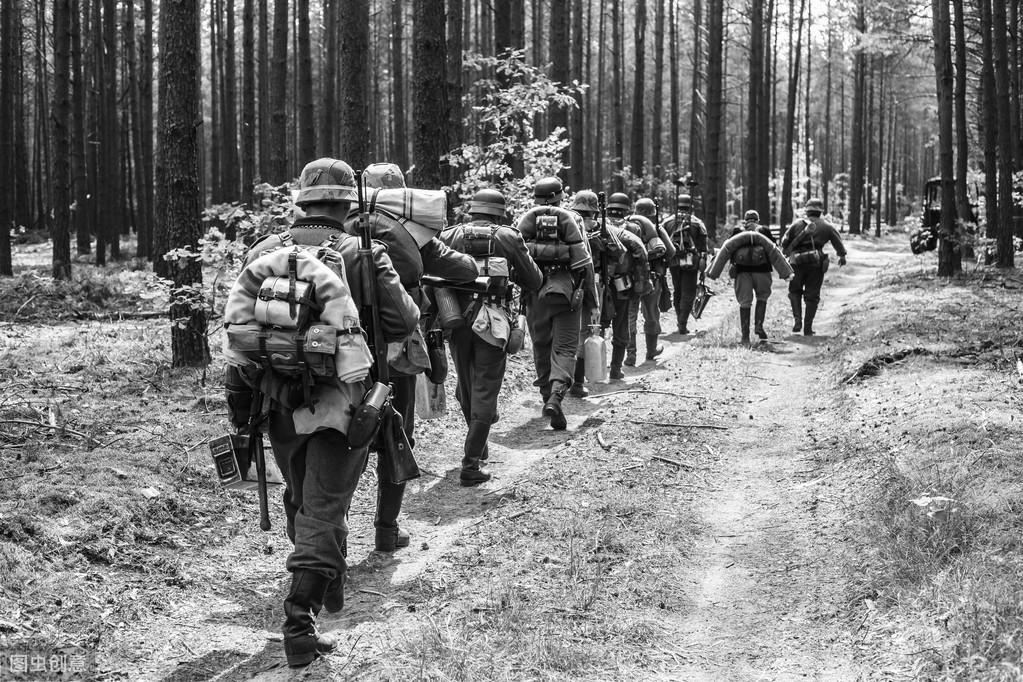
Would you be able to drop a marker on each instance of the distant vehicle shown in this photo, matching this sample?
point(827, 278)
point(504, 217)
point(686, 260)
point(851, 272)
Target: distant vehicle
point(926, 237)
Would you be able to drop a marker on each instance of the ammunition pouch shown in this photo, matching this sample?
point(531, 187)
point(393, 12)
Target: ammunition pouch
point(394, 452)
point(367, 417)
point(438, 357)
point(809, 257)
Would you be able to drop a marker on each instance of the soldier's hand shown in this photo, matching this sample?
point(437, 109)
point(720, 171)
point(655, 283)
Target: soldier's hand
point(841, 260)
point(595, 317)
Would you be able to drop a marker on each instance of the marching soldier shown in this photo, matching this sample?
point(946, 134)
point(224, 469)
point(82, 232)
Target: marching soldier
point(479, 355)
point(751, 252)
point(320, 468)
point(688, 235)
point(660, 252)
point(804, 243)
point(414, 250)
point(555, 240)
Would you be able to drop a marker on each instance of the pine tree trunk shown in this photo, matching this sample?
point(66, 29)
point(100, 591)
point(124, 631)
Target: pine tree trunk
point(306, 107)
point(216, 127)
point(576, 151)
point(656, 130)
point(856, 157)
point(637, 155)
point(560, 67)
point(146, 121)
point(400, 151)
point(229, 113)
point(177, 176)
point(61, 175)
point(947, 258)
point(698, 99)
point(827, 169)
point(264, 165)
point(278, 134)
point(989, 122)
point(598, 142)
point(756, 166)
point(355, 143)
point(518, 24)
point(715, 114)
point(142, 227)
point(675, 89)
point(453, 69)
point(617, 181)
point(8, 111)
point(1006, 142)
point(83, 239)
point(429, 110)
point(790, 123)
point(248, 130)
point(962, 144)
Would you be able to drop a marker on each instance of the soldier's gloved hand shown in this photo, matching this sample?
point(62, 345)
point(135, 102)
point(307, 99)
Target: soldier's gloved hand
point(841, 260)
point(594, 317)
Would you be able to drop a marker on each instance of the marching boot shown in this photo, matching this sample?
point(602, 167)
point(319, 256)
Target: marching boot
point(334, 597)
point(389, 536)
point(301, 641)
point(578, 390)
point(552, 408)
point(652, 349)
point(811, 311)
point(744, 325)
point(630, 357)
point(797, 312)
point(617, 354)
point(758, 319)
point(682, 316)
point(475, 445)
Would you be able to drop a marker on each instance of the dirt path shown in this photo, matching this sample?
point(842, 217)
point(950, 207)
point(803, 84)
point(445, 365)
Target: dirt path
point(762, 594)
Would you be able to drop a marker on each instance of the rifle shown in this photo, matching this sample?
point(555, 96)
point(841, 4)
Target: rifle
point(377, 416)
point(605, 242)
point(256, 453)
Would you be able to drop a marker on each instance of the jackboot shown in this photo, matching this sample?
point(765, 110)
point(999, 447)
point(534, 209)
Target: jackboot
point(475, 445)
point(744, 325)
point(389, 536)
point(630, 357)
point(301, 641)
point(684, 311)
point(758, 319)
point(552, 408)
point(617, 354)
point(334, 597)
point(652, 349)
point(578, 390)
point(797, 312)
point(811, 311)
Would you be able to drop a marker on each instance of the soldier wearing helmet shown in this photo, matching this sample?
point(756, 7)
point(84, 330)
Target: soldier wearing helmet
point(415, 251)
point(659, 253)
point(751, 252)
point(555, 239)
point(480, 360)
point(321, 471)
point(688, 234)
point(804, 243)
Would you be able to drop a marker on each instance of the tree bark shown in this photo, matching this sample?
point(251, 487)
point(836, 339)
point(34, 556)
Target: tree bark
point(429, 110)
point(962, 144)
point(698, 101)
point(400, 151)
point(617, 182)
point(715, 114)
point(790, 122)
point(83, 239)
point(8, 111)
point(61, 174)
point(306, 107)
point(576, 152)
point(560, 67)
point(278, 98)
point(637, 156)
point(177, 176)
point(598, 142)
point(989, 122)
point(456, 122)
point(756, 166)
point(948, 259)
point(1006, 141)
point(656, 129)
point(248, 130)
point(355, 135)
point(263, 74)
point(856, 156)
point(229, 112)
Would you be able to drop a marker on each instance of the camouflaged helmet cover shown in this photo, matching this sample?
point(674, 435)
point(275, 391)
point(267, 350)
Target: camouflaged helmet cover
point(326, 180)
point(383, 176)
point(646, 207)
point(585, 200)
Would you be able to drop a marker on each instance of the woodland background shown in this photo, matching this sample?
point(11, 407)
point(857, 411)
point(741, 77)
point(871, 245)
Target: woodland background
point(132, 117)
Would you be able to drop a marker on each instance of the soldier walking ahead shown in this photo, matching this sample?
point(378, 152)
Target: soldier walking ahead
point(804, 243)
point(479, 355)
point(688, 235)
point(555, 240)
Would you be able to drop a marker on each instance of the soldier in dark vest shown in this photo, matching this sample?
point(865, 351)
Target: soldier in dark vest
point(415, 251)
point(554, 237)
point(688, 235)
point(479, 354)
point(751, 252)
point(804, 243)
point(319, 467)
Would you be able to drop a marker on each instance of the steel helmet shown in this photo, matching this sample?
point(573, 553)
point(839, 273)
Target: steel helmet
point(814, 206)
point(326, 180)
point(620, 200)
point(685, 201)
point(488, 202)
point(585, 200)
point(548, 190)
point(646, 207)
point(383, 175)
point(751, 215)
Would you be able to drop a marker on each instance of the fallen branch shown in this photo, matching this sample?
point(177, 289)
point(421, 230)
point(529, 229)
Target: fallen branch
point(644, 390)
point(365, 591)
point(680, 426)
point(601, 442)
point(512, 517)
point(669, 460)
point(52, 427)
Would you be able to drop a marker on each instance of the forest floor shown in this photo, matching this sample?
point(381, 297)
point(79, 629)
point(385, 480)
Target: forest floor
point(845, 506)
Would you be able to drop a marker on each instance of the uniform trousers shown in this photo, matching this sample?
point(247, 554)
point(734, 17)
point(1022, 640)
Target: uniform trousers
point(390, 495)
point(684, 281)
point(651, 313)
point(321, 473)
point(554, 330)
point(806, 283)
point(749, 283)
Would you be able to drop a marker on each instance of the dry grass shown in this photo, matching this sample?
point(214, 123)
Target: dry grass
point(942, 580)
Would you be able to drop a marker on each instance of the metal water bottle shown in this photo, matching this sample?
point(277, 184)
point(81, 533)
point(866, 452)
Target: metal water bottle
point(595, 355)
